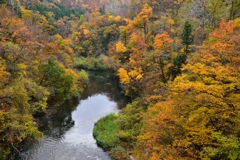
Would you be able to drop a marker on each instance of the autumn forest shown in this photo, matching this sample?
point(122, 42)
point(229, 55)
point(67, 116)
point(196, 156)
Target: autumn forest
point(177, 60)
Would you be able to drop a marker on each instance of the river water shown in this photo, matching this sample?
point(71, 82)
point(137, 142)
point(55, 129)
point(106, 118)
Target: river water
point(68, 132)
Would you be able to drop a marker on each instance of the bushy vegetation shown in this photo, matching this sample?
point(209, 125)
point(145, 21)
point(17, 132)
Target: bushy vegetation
point(105, 132)
point(57, 9)
point(186, 85)
point(91, 63)
point(178, 60)
point(117, 133)
point(34, 70)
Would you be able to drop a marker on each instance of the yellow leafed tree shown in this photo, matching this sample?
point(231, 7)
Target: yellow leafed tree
point(123, 75)
point(120, 48)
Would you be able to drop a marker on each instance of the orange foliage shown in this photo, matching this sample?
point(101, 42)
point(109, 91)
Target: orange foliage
point(161, 40)
point(202, 100)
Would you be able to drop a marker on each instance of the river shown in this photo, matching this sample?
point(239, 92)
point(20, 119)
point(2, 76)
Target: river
point(68, 132)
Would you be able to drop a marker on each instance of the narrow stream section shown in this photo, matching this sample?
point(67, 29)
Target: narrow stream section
point(68, 132)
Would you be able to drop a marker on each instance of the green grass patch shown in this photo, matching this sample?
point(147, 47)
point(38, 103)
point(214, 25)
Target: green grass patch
point(105, 132)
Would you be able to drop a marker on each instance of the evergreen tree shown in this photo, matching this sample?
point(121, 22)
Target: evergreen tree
point(187, 36)
point(187, 39)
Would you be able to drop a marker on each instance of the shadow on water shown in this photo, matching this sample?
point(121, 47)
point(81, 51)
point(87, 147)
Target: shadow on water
point(68, 132)
point(104, 82)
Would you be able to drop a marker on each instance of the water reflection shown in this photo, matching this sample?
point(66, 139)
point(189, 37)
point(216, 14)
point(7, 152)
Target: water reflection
point(68, 132)
point(104, 82)
point(87, 113)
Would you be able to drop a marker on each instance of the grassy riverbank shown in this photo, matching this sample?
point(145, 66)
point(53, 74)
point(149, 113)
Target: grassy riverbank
point(117, 133)
point(105, 132)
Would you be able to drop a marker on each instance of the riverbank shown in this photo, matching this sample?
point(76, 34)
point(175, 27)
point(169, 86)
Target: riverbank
point(68, 132)
point(117, 133)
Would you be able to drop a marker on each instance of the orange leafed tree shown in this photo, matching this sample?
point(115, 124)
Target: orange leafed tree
point(161, 40)
point(200, 104)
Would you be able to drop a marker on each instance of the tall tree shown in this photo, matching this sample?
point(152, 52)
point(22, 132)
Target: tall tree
point(142, 19)
point(187, 36)
point(234, 10)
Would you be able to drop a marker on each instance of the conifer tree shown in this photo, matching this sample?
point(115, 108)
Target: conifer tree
point(187, 36)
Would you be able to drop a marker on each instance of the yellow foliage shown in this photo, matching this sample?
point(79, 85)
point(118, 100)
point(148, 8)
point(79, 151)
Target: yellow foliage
point(3, 74)
point(127, 20)
point(178, 1)
point(126, 92)
point(120, 48)
point(163, 17)
point(170, 21)
point(123, 75)
point(58, 37)
point(26, 14)
point(22, 66)
point(140, 76)
point(76, 35)
point(67, 41)
point(60, 22)
point(110, 18)
point(85, 6)
point(117, 18)
point(96, 14)
point(72, 72)
point(69, 50)
point(49, 14)
point(182, 50)
point(172, 30)
point(136, 73)
point(86, 32)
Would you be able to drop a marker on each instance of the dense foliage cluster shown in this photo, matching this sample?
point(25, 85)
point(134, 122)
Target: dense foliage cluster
point(178, 60)
point(35, 69)
point(185, 86)
point(58, 10)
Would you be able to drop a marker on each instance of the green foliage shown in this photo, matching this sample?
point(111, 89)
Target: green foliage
point(81, 19)
point(86, 44)
point(228, 148)
point(82, 80)
point(59, 83)
point(129, 124)
point(27, 81)
point(234, 10)
point(5, 151)
point(105, 132)
point(38, 97)
point(83, 76)
point(187, 36)
point(119, 153)
point(118, 133)
point(59, 10)
point(16, 120)
point(207, 92)
point(102, 11)
point(3, 1)
point(177, 64)
point(217, 9)
point(91, 63)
